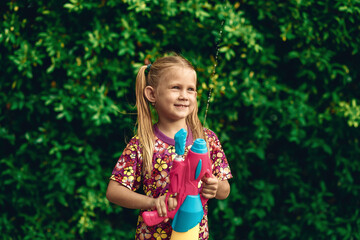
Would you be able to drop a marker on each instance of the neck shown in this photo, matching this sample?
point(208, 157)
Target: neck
point(171, 128)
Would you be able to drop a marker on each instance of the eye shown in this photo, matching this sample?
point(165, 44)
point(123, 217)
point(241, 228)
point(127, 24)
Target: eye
point(176, 87)
point(191, 89)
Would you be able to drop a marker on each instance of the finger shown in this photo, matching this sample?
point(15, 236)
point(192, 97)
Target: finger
point(163, 208)
point(212, 180)
point(158, 208)
point(208, 191)
point(172, 203)
point(175, 202)
point(207, 195)
point(213, 187)
point(204, 179)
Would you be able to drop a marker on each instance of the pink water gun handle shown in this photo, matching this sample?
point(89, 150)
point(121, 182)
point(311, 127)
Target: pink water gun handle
point(152, 218)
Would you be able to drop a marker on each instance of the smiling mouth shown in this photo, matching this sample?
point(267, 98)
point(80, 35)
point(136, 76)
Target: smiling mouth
point(180, 105)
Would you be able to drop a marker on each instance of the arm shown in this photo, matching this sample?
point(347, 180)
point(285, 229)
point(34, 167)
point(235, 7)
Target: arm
point(122, 196)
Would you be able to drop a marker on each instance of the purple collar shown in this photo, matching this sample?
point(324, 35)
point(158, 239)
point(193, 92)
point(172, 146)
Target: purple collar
point(171, 141)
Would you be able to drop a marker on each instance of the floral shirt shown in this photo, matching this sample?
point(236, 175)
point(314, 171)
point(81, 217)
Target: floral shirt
point(128, 172)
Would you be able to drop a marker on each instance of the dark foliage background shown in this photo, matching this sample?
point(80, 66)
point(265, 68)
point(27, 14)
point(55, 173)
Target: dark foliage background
point(285, 104)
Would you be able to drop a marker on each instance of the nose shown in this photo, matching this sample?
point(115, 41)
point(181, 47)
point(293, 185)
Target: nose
point(184, 95)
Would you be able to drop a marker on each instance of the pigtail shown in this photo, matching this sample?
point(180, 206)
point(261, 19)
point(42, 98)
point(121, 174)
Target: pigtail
point(144, 122)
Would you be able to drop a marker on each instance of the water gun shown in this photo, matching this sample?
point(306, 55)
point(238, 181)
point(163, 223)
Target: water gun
point(185, 175)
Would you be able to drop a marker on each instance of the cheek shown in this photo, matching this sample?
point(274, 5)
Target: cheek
point(172, 95)
point(193, 102)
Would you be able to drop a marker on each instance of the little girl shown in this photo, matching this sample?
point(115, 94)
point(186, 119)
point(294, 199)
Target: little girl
point(168, 85)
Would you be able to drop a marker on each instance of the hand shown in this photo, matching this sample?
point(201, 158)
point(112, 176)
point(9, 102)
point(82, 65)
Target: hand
point(210, 187)
point(160, 205)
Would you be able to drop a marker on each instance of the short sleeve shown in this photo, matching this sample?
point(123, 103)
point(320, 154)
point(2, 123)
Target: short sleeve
point(127, 170)
point(221, 168)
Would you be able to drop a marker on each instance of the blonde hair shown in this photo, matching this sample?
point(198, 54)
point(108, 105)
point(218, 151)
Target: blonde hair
point(145, 129)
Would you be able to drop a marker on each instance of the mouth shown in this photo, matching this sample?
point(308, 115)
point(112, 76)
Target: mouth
point(181, 105)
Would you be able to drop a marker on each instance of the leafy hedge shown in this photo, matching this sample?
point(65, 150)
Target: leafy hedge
point(285, 104)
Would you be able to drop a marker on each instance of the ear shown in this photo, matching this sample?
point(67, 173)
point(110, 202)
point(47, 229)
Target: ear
point(150, 94)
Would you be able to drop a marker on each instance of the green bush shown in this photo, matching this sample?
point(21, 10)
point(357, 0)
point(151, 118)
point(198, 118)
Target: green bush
point(284, 103)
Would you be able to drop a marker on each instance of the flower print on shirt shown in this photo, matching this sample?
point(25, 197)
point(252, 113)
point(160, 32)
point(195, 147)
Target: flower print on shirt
point(162, 179)
point(204, 229)
point(160, 234)
point(143, 232)
point(120, 165)
point(168, 159)
point(128, 171)
point(160, 164)
point(171, 149)
point(160, 147)
point(129, 177)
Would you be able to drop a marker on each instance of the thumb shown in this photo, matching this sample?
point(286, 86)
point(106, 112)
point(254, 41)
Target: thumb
point(207, 179)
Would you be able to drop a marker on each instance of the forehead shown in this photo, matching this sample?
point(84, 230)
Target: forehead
point(180, 74)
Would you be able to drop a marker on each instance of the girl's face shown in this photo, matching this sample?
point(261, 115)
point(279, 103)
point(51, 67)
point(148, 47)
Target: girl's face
point(175, 95)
